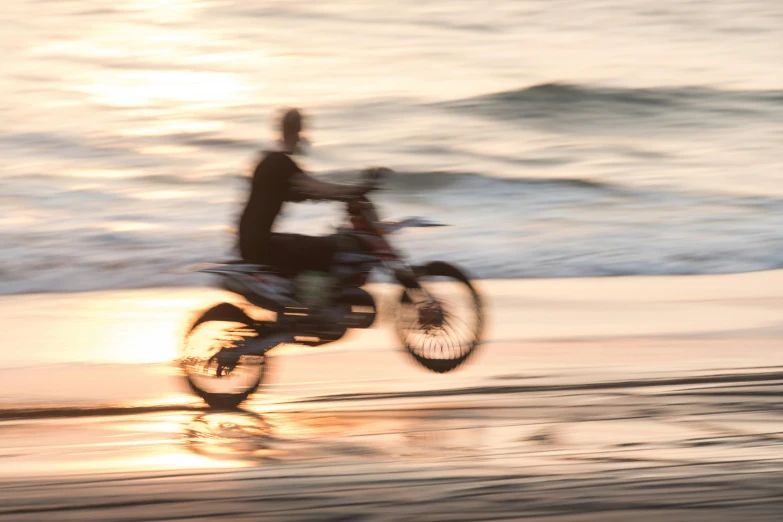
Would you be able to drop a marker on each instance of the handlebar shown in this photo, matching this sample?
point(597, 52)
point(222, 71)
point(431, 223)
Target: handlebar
point(360, 205)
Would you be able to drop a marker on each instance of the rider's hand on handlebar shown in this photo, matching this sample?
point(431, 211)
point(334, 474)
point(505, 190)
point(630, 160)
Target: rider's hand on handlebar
point(371, 181)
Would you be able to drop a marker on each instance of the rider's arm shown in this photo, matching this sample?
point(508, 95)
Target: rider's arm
point(311, 188)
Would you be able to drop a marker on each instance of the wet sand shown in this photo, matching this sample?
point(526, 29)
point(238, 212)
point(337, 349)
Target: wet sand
point(608, 399)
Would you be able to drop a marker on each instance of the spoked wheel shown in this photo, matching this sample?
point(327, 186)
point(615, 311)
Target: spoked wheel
point(441, 325)
point(212, 358)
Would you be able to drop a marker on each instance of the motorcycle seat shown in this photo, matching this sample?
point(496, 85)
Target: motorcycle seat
point(254, 267)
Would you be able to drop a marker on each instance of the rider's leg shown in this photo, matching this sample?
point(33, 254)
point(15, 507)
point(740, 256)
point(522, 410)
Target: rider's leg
point(288, 255)
point(294, 253)
point(311, 258)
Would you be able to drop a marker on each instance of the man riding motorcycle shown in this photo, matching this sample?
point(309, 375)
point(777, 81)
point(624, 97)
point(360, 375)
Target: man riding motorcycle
point(276, 180)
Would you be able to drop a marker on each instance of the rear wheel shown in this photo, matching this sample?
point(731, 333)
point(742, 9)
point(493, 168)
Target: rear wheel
point(212, 359)
point(440, 324)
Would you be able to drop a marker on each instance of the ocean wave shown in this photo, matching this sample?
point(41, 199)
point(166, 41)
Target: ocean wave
point(504, 228)
point(415, 181)
point(56, 181)
point(180, 180)
point(572, 100)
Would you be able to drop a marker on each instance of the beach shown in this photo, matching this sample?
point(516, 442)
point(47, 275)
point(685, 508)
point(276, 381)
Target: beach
point(606, 398)
point(610, 175)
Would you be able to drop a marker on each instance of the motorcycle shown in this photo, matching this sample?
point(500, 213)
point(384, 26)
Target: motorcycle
point(439, 315)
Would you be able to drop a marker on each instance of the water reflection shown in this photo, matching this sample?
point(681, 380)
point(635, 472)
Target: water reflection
point(246, 437)
point(230, 435)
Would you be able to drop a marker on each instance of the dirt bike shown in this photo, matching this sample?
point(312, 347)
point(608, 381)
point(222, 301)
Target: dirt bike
point(439, 315)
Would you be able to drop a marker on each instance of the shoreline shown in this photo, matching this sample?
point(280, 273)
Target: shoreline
point(590, 399)
point(738, 376)
point(203, 281)
point(112, 348)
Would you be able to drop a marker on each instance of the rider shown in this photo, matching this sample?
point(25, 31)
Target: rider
point(278, 179)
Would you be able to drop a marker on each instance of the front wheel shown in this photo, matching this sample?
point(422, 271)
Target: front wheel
point(215, 367)
point(441, 322)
